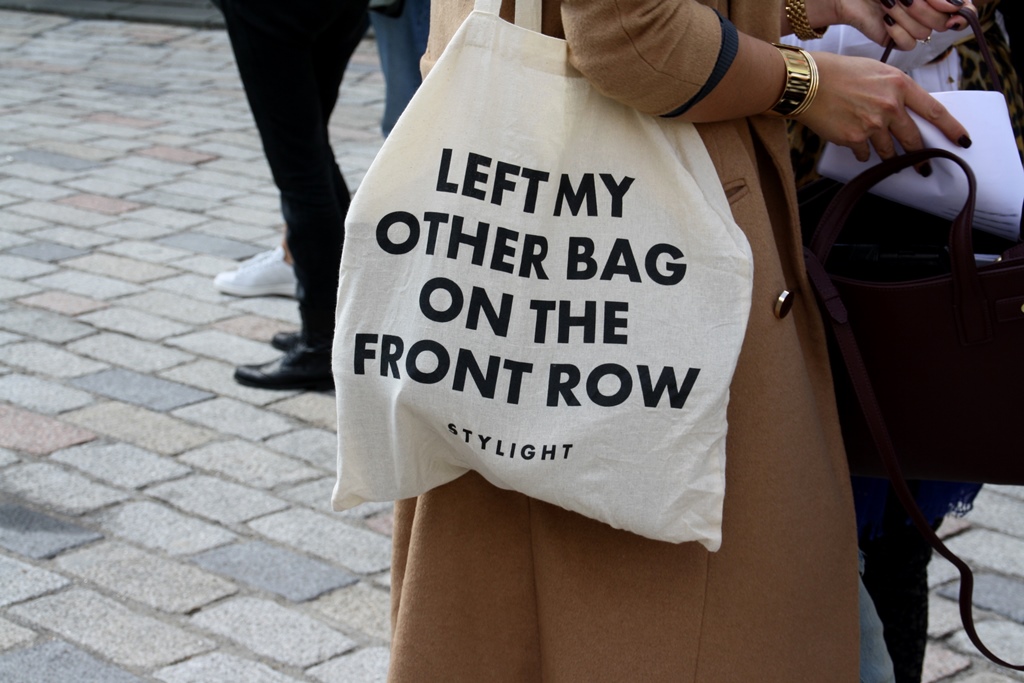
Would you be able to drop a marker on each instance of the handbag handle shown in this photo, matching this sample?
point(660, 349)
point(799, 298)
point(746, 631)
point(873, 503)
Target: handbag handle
point(969, 303)
point(979, 35)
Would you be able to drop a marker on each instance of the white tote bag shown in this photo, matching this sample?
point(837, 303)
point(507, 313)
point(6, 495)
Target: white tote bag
point(544, 286)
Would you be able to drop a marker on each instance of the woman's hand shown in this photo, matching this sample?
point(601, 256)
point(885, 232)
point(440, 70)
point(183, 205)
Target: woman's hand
point(902, 21)
point(862, 103)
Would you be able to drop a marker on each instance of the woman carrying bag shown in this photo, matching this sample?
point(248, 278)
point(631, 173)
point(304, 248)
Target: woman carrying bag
point(491, 585)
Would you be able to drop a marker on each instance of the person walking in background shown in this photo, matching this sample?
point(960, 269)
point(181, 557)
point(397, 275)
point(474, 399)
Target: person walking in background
point(291, 58)
point(400, 28)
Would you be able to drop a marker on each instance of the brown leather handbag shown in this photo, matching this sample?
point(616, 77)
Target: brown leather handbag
point(926, 344)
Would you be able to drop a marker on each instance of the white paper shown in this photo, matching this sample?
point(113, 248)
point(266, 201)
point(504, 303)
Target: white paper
point(993, 157)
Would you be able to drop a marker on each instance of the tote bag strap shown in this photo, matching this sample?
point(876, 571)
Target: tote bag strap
point(528, 12)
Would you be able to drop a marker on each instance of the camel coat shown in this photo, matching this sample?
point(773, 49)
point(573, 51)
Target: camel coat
point(490, 586)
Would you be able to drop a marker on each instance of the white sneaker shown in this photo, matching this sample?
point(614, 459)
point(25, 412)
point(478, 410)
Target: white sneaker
point(262, 275)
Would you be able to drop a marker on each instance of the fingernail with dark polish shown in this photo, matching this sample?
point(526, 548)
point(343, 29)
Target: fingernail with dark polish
point(964, 141)
point(907, 3)
point(958, 3)
point(925, 169)
point(889, 3)
point(889, 21)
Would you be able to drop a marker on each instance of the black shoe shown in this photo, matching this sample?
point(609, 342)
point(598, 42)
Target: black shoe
point(302, 367)
point(285, 341)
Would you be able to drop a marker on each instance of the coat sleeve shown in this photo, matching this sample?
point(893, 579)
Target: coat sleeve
point(656, 56)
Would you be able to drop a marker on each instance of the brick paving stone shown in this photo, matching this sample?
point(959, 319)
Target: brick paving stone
point(273, 631)
point(191, 188)
point(177, 155)
point(62, 302)
point(41, 396)
point(1004, 638)
point(76, 150)
point(33, 534)
point(119, 349)
point(987, 677)
point(217, 500)
point(22, 581)
point(313, 494)
point(368, 665)
point(54, 661)
point(135, 323)
point(118, 119)
point(119, 267)
point(135, 574)
point(167, 200)
point(158, 527)
point(12, 635)
point(60, 214)
point(359, 606)
point(177, 307)
point(111, 630)
point(365, 511)
point(940, 571)
point(1014, 491)
point(218, 378)
point(57, 489)
point(998, 512)
point(47, 251)
point(47, 360)
point(60, 161)
point(44, 325)
point(29, 189)
point(222, 668)
point(143, 390)
point(248, 463)
point(166, 217)
point(209, 244)
point(363, 552)
point(100, 186)
point(7, 457)
point(252, 327)
point(38, 173)
point(146, 251)
point(26, 431)
point(193, 286)
point(995, 593)
point(941, 663)
point(288, 574)
point(14, 289)
point(147, 429)
point(98, 203)
point(226, 347)
point(75, 237)
point(18, 268)
point(228, 416)
point(944, 616)
point(120, 464)
point(316, 446)
point(278, 308)
point(87, 284)
point(982, 548)
point(317, 408)
point(133, 229)
point(22, 224)
point(10, 240)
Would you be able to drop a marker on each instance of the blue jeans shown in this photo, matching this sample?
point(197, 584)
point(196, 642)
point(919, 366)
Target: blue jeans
point(401, 41)
point(875, 663)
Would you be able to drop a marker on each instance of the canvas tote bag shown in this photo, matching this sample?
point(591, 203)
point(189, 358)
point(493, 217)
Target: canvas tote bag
point(544, 286)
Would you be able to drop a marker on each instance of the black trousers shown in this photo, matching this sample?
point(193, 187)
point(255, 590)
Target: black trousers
point(291, 56)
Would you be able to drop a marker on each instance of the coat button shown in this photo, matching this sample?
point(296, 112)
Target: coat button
point(783, 304)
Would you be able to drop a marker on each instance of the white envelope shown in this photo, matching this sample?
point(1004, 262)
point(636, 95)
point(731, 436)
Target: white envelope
point(993, 157)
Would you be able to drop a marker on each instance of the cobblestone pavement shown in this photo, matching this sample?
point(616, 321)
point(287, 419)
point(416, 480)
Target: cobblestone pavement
point(159, 522)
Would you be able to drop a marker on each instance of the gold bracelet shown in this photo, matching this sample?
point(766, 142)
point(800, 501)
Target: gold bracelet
point(796, 12)
point(801, 82)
